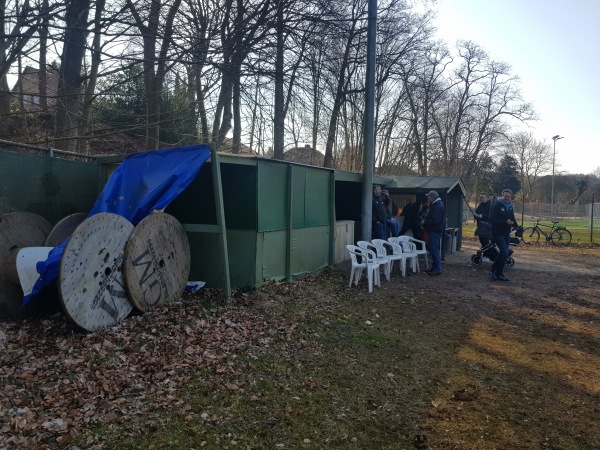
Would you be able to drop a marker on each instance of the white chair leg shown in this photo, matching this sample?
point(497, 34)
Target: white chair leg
point(351, 277)
point(358, 275)
point(370, 277)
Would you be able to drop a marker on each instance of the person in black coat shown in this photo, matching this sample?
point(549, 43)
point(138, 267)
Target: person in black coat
point(482, 214)
point(502, 216)
point(379, 214)
point(435, 225)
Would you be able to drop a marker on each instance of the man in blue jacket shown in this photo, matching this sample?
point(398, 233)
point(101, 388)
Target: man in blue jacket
point(502, 216)
point(435, 225)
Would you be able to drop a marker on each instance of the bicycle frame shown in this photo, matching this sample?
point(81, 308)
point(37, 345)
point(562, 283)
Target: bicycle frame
point(538, 226)
point(557, 235)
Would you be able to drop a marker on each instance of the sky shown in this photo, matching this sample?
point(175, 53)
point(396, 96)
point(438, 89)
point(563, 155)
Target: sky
point(554, 48)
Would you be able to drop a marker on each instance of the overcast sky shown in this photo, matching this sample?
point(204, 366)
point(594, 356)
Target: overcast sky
point(553, 46)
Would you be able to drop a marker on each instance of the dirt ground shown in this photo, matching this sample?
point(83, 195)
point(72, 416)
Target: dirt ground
point(456, 362)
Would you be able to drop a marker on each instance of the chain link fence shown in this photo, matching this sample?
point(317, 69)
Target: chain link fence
point(583, 221)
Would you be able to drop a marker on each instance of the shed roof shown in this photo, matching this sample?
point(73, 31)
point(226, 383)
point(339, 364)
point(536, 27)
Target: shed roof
point(416, 183)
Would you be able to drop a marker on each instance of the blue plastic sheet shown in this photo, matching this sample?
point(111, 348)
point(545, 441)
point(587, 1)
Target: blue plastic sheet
point(143, 182)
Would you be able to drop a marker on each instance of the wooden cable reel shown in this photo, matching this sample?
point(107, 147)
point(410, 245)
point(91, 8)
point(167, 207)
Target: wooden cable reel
point(63, 229)
point(17, 231)
point(157, 261)
point(105, 264)
point(90, 282)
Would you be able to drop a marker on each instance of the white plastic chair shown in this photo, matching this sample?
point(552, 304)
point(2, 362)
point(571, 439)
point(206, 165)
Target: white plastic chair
point(410, 250)
point(421, 247)
point(367, 261)
point(396, 255)
point(381, 256)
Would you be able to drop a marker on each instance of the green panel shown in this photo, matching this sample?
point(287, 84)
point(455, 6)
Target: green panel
point(271, 252)
point(272, 196)
point(310, 250)
point(317, 199)
point(241, 245)
point(51, 187)
point(298, 195)
point(207, 264)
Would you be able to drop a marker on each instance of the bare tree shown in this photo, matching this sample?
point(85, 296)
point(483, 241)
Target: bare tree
point(71, 79)
point(475, 115)
point(532, 158)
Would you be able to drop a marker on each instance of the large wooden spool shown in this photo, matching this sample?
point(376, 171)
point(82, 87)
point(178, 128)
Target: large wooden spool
point(91, 285)
point(63, 229)
point(17, 230)
point(157, 261)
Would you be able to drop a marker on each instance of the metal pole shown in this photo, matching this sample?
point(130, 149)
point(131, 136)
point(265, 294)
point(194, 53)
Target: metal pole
point(369, 144)
point(554, 138)
point(552, 193)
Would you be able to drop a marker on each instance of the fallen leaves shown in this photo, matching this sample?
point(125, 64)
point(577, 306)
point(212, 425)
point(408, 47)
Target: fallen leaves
point(58, 382)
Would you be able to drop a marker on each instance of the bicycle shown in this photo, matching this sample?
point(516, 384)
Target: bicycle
point(557, 235)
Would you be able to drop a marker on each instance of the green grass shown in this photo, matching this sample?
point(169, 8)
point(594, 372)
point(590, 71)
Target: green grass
point(578, 228)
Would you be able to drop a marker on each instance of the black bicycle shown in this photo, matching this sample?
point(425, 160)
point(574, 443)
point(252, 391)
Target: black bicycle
point(556, 235)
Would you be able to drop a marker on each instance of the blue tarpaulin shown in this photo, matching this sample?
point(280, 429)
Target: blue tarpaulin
point(143, 182)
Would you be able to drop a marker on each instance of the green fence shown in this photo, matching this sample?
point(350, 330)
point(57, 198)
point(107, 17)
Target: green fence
point(49, 183)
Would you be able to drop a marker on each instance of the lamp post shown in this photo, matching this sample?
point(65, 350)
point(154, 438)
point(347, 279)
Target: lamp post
point(554, 138)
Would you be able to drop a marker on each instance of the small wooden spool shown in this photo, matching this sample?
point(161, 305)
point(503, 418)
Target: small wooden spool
point(91, 285)
point(63, 229)
point(157, 261)
point(17, 230)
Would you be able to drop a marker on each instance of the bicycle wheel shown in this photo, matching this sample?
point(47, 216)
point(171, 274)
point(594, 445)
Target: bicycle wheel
point(530, 235)
point(561, 236)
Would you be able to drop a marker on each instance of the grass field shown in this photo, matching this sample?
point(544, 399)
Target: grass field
point(578, 228)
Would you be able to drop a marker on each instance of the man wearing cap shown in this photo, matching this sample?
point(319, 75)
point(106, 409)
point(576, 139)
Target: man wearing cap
point(435, 225)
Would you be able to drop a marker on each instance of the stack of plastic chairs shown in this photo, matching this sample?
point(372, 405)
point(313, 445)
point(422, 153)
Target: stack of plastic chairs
point(421, 247)
point(410, 250)
point(381, 256)
point(367, 261)
point(396, 255)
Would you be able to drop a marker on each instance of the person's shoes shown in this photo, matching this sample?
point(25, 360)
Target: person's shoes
point(432, 273)
point(502, 278)
point(493, 276)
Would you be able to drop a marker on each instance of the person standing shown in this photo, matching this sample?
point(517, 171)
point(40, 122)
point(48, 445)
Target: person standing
point(482, 216)
point(379, 214)
point(482, 213)
point(502, 216)
point(435, 225)
point(393, 227)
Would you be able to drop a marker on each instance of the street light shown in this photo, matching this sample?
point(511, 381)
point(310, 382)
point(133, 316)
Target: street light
point(554, 138)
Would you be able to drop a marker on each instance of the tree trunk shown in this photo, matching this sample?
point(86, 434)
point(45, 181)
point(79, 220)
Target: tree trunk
point(69, 87)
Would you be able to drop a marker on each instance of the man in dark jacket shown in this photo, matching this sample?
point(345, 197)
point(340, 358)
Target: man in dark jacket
point(435, 225)
point(379, 214)
point(502, 216)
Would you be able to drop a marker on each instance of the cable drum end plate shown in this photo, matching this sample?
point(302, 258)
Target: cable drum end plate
point(91, 285)
point(157, 261)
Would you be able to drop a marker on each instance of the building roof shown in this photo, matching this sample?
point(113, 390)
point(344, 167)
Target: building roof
point(415, 183)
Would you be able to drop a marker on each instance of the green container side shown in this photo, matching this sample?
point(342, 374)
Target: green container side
point(270, 255)
point(298, 197)
point(51, 187)
point(317, 201)
point(310, 250)
point(272, 196)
